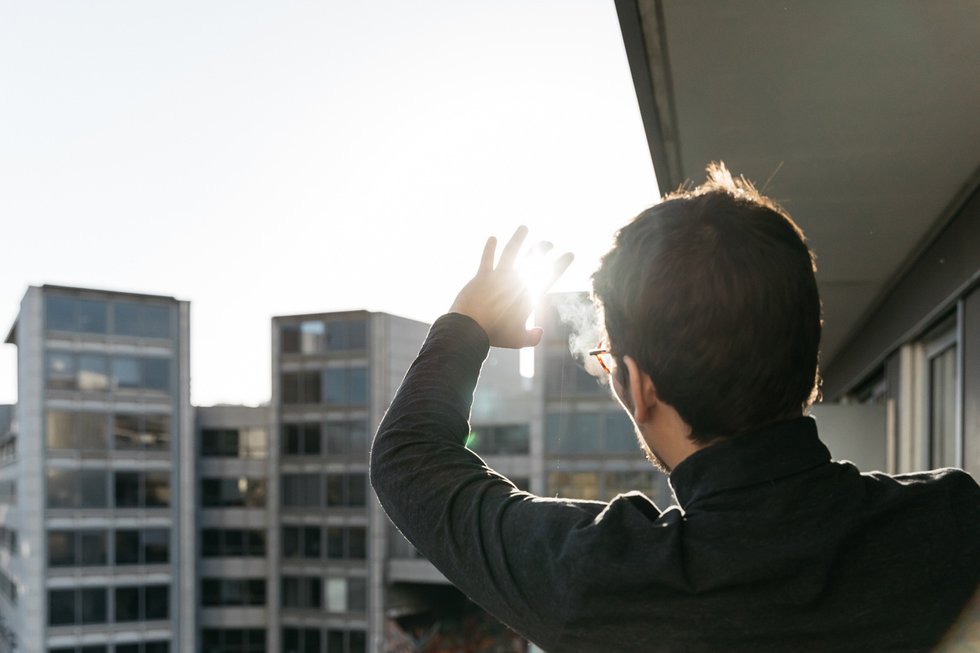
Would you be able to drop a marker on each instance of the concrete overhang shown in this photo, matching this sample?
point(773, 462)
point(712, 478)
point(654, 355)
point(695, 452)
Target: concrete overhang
point(860, 118)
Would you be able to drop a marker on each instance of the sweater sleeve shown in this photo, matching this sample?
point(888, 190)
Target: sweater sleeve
point(501, 546)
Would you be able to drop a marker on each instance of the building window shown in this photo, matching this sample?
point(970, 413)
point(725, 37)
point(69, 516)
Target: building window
point(346, 490)
point(588, 432)
point(69, 430)
point(142, 547)
point(500, 439)
point(77, 606)
point(345, 386)
point(234, 443)
point(140, 320)
point(142, 603)
point(146, 489)
point(300, 387)
point(233, 640)
point(302, 592)
point(232, 543)
point(564, 377)
point(301, 542)
point(238, 492)
point(574, 485)
point(87, 648)
point(141, 431)
point(76, 315)
point(346, 543)
point(301, 491)
point(301, 640)
point(156, 646)
point(77, 488)
point(347, 437)
point(232, 591)
point(97, 374)
point(301, 439)
point(941, 355)
point(82, 548)
point(346, 641)
point(347, 335)
point(346, 595)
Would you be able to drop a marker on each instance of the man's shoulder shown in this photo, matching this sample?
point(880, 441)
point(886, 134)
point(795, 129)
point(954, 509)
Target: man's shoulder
point(949, 479)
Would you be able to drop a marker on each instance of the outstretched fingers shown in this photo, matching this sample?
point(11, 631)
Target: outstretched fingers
point(486, 261)
point(513, 246)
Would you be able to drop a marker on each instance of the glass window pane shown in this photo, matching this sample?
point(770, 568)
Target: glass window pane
point(61, 607)
point(234, 544)
point(255, 443)
point(61, 371)
point(156, 432)
point(91, 314)
point(211, 542)
point(942, 409)
point(156, 374)
point(157, 602)
point(255, 493)
point(311, 439)
point(94, 548)
point(61, 548)
point(357, 381)
point(127, 600)
point(93, 605)
point(357, 490)
point(335, 543)
point(356, 594)
point(125, 373)
point(357, 543)
point(90, 430)
point(156, 546)
point(62, 491)
point(620, 434)
point(289, 338)
point(156, 321)
point(94, 493)
point(126, 431)
point(93, 373)
point(60, 430)
point(127, 547)
point(127, 489)
point(311, 336)
point(157, 489)
point(290, 541)
point(126, 319)
point(311, 542)
point(255, 543)
point(59, 313)
point(310, 387)
point(336, 594)
point(335, 386)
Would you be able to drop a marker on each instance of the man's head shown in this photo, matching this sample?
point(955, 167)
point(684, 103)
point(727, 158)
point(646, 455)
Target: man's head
point(712, 293)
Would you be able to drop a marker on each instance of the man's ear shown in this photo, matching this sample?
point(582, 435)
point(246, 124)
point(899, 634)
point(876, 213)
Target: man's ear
point(642, 391)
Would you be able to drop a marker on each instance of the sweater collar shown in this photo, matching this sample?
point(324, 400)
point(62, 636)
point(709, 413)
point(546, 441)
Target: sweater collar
point(776, 451)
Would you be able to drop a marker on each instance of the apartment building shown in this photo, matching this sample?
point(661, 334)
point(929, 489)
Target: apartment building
point(333, 376)
point(231, 460)
point(95, 544)
point(134, 523)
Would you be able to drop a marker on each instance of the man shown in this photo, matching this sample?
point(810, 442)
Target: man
point(713, 323)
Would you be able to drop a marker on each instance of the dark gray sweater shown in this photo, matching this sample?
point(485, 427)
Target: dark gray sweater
point(773, 547)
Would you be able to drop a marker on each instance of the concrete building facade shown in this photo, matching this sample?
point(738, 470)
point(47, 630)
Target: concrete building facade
point(93, 497)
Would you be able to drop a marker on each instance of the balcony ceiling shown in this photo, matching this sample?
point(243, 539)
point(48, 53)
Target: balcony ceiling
point(861, 118)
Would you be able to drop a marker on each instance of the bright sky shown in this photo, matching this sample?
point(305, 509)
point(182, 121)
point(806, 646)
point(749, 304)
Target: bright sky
point(272, 158)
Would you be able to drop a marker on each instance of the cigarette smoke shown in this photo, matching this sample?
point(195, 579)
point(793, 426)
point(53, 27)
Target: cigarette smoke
point(585, 328)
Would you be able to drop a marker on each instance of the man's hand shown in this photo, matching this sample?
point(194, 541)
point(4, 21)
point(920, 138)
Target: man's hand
point(499, 299)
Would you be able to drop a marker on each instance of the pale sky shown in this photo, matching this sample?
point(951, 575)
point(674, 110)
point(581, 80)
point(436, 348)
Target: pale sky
point(272, 158)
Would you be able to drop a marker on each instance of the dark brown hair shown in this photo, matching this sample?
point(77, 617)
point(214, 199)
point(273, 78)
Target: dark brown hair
point(713, 293)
